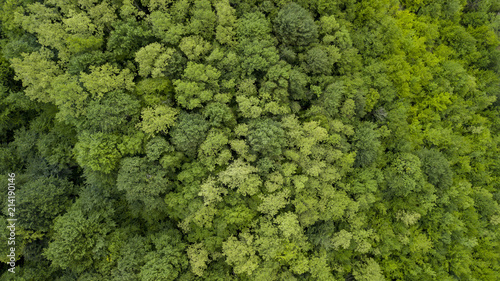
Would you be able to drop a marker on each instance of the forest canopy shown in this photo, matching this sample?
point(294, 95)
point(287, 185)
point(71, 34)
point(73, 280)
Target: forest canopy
point(251, 140)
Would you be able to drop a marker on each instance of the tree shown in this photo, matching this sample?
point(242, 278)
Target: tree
point(69, 96)
point(97, 151)
point(298, 85)
point(369, 270)
point(165, 28)
point(318, 62)
point(405, 175)
point(37, 70)
point(153, 59)
point(42, 200)
point(129, 257)
point(272, 203)
point(154, 91)
point(436, 168)
point(197, 86)
point(225, 30)
point(368, 145)
point(127, 37)
point(295, 26)
point(198, 258)
point(110, 113)
point(219, 115)
point(194, 47)
point(214, 151)
point(142, 182)
point(80, 234)
point(107, 78)
point(157, 120)
point(167, 260)
point(188, 133)
point(255, 45)
point(240, 254)
point(266, 137)
point(156, 147)
point(241, 176)
point(203, 19)
point(332, 97)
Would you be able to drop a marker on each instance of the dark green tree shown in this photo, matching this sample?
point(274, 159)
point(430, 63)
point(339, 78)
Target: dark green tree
point(294, 25)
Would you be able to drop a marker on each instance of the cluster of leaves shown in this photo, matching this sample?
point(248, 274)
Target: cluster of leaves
point(252, 140)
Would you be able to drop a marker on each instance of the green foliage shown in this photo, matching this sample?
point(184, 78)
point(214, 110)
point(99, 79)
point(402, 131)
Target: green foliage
point(78, 241)
point(155, 91)
point(189, 132)
point(436, 168)
point(251, 140)
point(42, 200)
point(257, 50)
point(126, 38)
point(240, 254)
point(36, 71)
point(266, 137)
point(129, 257)
point(97, 151)
point(167, 260)
point(317, 61)
point(107, 78)
point(225, 30)
point(110, 113)
point(197, 86)
point(219, 114)
point(198, 257)
point(214, 151)
point(241, 176)
point(152, 59)
point(405, 175)
point(157, 120)
point(295, 26)
point(367, 144)
point(142, 182)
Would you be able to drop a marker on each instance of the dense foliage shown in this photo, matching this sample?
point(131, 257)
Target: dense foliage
point(252, 140)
